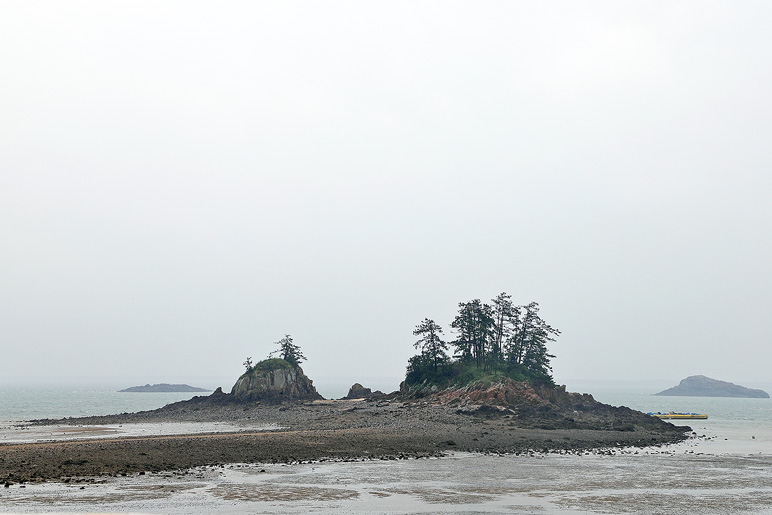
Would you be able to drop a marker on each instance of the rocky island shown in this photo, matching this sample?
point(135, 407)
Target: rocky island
point(495, 396)
point(164, 388)
point(498, 416)
point(701, 386)
point(274, 380)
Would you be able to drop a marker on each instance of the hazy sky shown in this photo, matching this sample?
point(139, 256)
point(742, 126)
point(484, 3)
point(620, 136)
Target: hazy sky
point(182, 183)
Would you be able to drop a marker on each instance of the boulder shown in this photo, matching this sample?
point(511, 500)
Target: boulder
point(274, 380)
point(357, 391)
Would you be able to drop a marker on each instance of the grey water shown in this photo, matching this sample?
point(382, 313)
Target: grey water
point(19, 403)
point(30, 402)
point(744, 424)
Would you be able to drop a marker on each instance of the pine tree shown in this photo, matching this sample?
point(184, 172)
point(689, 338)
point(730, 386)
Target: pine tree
point(528, 344)
point(433, 348)
point(288, 351)
point(473, 324)
point(505, 316)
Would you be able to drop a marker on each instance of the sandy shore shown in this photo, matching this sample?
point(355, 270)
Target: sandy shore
point(627, 481)
point(341, 430)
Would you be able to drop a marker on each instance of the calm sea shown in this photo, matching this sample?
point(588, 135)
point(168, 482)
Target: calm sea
point(18, 403)
point(28, 403)
point(742, 426)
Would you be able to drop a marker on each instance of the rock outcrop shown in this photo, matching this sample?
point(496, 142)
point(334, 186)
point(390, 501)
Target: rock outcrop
point(357, 391)
point(542, 407)
point(274, 380)
point(701, 386)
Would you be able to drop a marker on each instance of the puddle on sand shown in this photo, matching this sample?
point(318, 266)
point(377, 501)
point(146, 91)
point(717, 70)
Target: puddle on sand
point(461, 483)
point(31, 434)
point(281, 493)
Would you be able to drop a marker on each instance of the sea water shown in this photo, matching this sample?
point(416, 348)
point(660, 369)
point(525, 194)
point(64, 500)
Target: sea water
point(18, 403)
point(744, 424)
point(30, 402)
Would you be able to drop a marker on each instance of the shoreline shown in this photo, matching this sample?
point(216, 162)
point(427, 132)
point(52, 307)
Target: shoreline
point(322, 431)
point(46, 461)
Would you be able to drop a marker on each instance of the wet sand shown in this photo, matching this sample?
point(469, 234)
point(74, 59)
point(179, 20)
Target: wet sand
point(312, 432)
point(374, 457)
point(652, 481)
point(26, 433)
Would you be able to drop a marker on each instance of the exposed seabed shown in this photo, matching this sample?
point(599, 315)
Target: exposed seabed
point(615, 481)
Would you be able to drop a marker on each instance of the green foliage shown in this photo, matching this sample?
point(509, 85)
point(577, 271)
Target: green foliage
point(421, 369)
point(494, 341)
point(474, 325)
point(289, 356)
point(269, 364)
point(434, 351)
point(288, 351)
point(461, 373)
point(272, 364)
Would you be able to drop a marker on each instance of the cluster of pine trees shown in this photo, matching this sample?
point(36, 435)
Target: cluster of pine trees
point(495, 337)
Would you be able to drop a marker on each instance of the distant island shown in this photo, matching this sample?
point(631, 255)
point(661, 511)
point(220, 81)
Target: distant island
point(165, 388)
point(701, 386)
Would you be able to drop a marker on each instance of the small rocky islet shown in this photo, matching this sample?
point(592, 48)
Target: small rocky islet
point(164, 388)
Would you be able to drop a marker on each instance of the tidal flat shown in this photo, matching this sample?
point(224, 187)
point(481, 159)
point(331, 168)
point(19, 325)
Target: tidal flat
point(654, 480)
point(310, 432)
point(362, 456)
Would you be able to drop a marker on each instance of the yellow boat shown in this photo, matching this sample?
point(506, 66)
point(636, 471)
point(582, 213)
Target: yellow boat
point(673, 415)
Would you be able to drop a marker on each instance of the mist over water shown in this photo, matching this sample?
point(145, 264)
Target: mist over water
point(183, 183)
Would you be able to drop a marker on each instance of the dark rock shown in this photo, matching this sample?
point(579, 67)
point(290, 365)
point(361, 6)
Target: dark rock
point(542, 407)
point(357, 391)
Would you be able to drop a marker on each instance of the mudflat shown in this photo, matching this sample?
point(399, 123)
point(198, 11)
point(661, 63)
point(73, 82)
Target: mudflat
point(316, 431)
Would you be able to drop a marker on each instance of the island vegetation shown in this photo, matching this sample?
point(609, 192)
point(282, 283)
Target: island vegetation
point(278, 378)
point(493, 341)
point(288, 353)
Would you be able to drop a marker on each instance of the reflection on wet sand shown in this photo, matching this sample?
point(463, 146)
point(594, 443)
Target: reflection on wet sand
point(625, 482)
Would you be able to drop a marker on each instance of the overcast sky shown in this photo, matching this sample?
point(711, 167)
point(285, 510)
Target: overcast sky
point(182, 183)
